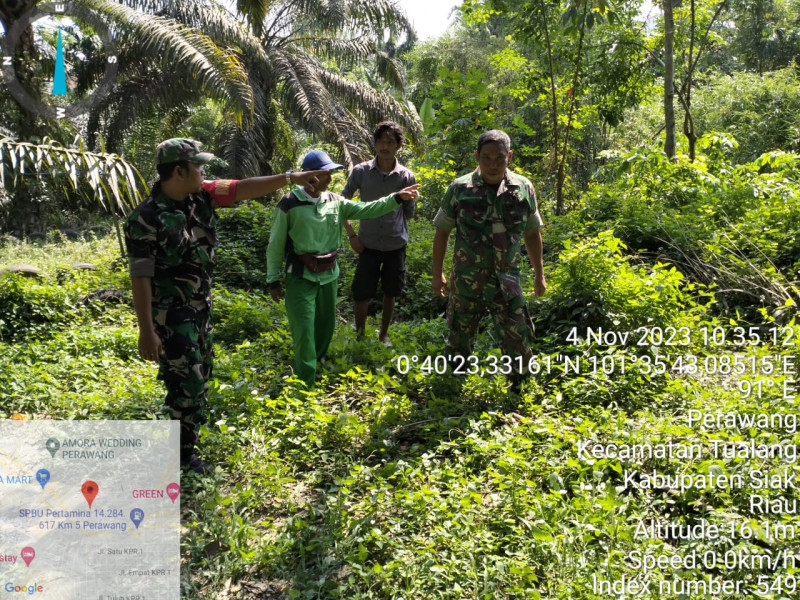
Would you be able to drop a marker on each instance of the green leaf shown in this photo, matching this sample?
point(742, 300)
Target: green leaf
point(427, 113)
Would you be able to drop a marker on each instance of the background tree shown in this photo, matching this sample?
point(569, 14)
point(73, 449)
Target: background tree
point(37, 184)
point(578, 65)
point(299, 59)
point(763, 35)
point(289, 66)
point(669, 79)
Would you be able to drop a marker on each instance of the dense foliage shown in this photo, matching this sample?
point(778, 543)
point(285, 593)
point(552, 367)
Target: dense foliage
point(389, 481)
point(393, 479)
point(269, 71)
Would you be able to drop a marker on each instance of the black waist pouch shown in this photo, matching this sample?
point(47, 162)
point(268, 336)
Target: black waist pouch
point(316, 263)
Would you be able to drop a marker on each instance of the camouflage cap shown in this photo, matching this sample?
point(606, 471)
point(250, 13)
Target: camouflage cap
point(177, 149)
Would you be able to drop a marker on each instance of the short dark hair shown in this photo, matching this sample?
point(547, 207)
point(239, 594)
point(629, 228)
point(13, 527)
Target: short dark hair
point(392, 129)
point(165, 171)
point(495, 136)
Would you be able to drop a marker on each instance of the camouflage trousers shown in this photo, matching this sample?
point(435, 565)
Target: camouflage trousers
point(512, 323)
point(185, 368)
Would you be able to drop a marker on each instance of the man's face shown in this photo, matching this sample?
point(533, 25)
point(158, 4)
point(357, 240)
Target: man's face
point(386, 146)
point(493, 162)
point(324, 180)
point(194, 178)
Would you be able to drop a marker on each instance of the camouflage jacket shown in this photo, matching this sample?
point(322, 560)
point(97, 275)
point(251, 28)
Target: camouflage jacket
point(490, 228)
point(173, 243)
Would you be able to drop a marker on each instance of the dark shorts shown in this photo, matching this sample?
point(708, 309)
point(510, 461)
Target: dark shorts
point(389, 266)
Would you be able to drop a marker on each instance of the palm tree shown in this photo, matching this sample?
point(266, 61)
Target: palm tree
point(297, 55)
point(167, 64)
point(285, 61)
point(313, 43)
point(54, 167)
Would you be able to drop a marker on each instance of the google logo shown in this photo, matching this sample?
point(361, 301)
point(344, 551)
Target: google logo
point(25, 589)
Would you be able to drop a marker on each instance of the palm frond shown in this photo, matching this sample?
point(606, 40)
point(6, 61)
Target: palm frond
point(304, 53)
point(345, 52)
point(335, 107)
point(375, 15)
point(113, 183)
point(212, 19)
point(136, 98)
point(368, 102)
point(364, 16)
point(247, 151)
point(188, 53)
point(314, 15)
point(256, 12)
point(301, 91)
point(391, 70)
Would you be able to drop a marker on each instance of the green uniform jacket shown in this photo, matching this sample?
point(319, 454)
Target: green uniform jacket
point(490, 227)
point(314, 226)
point(173, 243)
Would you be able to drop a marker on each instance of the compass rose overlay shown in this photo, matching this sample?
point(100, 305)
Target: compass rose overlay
point(59, 9)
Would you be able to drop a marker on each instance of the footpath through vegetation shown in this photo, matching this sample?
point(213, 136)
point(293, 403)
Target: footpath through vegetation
point(665, 358)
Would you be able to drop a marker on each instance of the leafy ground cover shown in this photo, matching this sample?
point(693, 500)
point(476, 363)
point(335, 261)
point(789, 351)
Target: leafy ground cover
point(391, 482)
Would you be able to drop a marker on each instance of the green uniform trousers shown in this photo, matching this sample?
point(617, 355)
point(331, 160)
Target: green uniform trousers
point(311, 309)
point(185, 367)
point(512, 322)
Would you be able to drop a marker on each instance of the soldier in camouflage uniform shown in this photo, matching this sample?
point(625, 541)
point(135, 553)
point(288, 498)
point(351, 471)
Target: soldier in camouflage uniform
point(494, 212)
point(171, 238)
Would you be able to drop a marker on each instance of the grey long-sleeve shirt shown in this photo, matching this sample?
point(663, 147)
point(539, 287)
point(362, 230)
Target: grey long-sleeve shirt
point(390, 231)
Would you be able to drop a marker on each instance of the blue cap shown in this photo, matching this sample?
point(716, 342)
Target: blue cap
point(317, 160)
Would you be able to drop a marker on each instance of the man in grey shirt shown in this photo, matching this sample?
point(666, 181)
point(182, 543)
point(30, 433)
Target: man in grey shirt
point(380, 243)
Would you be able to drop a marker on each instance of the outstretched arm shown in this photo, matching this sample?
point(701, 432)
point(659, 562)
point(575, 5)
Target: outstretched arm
point(255, 187)
point(378, 208)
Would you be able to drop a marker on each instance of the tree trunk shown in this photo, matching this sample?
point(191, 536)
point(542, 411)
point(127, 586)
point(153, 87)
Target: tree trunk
point(553, 112)
point(685, 93)
point(669, 79)
point(688, 121)
point(562, 168)
point(26, 122)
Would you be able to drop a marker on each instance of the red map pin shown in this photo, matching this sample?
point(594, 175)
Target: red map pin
point(28, 554)
point(173, 491)
point(89, 489)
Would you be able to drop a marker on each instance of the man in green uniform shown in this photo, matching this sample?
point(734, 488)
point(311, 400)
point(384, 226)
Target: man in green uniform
point(171, 238)
point(306, 232)
point(494, 212)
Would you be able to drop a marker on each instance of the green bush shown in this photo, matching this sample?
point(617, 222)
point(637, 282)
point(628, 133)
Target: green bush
point(594, 285)
point(734, 227)
point(761, 111)
point(33, 307)
point(243, 234)
point(30, 308)
point(382, 484)
point(241, 315)
point(36, 307)
point(418, 300)
point(433, 182)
